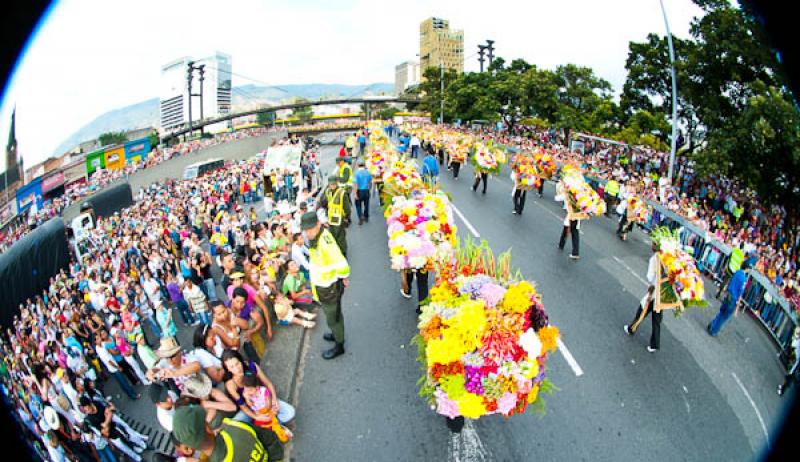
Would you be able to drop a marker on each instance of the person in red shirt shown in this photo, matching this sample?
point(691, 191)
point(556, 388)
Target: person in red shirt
point(342, 151)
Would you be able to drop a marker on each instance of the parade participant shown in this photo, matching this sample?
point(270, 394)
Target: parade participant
point(571, 226)
point(407, 278)
point(430, 169)
point(646, 306)
point(480, 176)
point(329, 277)
point(234, 442)
point(730, 304)
point(363, 186)
point(611, 191)
point(337, 207)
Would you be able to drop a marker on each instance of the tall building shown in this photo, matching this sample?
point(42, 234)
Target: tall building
point(405, 75)
point(175, 95)
point(440, 45)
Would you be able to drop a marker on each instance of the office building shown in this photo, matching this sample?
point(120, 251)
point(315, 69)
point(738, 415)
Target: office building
point(405, 75)
point(439, 45)
point(174, 93)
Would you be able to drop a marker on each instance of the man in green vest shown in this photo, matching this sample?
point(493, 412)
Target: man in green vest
point(345, 174)
point(734, 263)
point(336, 203)
point(329, 275)
point(611, 191)
point(235, 442)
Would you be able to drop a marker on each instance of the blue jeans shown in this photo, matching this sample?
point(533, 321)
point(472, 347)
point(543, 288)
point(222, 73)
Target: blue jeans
point(210, 289)
point(106, 454)
point(154, 326)
point(203, 317)
point(725, 312)
point(124, 384)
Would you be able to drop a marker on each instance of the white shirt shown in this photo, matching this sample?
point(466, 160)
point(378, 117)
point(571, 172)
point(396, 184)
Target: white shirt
point(106, 359)
point(203, 357)
point(195, 297)
point(300, 255)
point(165, 416)
point(153, 290)
point(653, 269)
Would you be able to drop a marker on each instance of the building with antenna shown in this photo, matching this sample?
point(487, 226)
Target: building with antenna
point(440, 46)
point(174, 92)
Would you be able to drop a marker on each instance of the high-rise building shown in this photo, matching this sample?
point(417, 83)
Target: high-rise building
point(405, 75)
point(175, 95)
point(438, 45)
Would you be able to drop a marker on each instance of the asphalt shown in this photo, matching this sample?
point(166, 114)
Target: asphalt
point(698, 398)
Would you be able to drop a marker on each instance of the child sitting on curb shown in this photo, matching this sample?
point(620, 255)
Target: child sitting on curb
point(287, 315)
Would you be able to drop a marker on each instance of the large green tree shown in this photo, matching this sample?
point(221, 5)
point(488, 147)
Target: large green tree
point(303, 113)
point(112, 138)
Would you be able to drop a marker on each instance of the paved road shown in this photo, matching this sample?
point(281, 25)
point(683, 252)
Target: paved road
point(698, 398)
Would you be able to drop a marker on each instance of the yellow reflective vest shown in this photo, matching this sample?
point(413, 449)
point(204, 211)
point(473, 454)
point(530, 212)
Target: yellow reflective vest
point(335, 206)
point(346, 174)
point(326, 263)
point(612, 188)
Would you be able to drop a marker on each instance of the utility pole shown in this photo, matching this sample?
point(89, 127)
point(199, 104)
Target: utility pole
point(481, 59)
point(673, 143)
point(189, 70)
point(202, 69)
point(441, 81)
point(490, 49)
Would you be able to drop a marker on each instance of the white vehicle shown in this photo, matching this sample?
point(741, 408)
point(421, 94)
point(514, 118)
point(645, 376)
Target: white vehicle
point(201, 168)
point(82, 242)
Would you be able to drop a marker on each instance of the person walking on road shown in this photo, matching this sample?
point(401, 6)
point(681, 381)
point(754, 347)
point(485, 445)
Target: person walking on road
point(480, 176)
point(791, 376)
point(337, 205)
point(430, 169)
point(363, 187)
point(646, 306)
point(734, 263)
point(731, 302)
point(330, 275)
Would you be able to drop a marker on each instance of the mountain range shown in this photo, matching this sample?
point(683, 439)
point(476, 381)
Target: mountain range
point(146, 113)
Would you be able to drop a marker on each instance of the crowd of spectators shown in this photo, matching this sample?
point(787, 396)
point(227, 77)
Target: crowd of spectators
point(99, 179)
point(188, 255)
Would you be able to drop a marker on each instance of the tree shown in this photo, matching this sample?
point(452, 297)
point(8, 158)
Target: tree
point(583, 100)
point(109, 138)
point(388, 113)
point(303, 113)
point(265, 118)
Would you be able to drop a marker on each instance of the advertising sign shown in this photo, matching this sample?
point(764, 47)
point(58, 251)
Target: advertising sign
point(137, 149)
point(29, 195)
point(286, 157)
point(94, 161)
point(52, 182)
point(115, 158)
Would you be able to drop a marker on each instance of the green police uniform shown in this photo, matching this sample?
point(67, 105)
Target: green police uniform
point(337, 204)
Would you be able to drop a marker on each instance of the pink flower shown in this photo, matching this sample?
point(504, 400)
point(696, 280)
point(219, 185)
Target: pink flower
point(506, 403)
point(446, 406)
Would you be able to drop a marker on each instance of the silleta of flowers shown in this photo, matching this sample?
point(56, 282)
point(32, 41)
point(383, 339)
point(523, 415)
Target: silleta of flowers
point(526, 175)
point(376, 163)
point(637, 210)
point(400, 178)
point(683, 281)
point(545, 165)
point(421, 230)
point(488, 160)
point(484, 338)
point(581, 196)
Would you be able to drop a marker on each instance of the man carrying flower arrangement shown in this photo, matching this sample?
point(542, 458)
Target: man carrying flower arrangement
point(646, 306)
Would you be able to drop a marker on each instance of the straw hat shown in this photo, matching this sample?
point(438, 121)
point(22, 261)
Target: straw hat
point(168, 347)
point(198, 386)
point(50, 418)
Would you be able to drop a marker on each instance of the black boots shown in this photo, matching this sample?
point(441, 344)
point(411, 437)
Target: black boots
point(329, 337)
point(337, 350)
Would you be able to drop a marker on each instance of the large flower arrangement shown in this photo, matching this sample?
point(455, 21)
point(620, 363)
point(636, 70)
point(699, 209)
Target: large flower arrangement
point(483, 338)
point(581, 196)
point(421, 231)
point(637, 210)
point(545, 165)
point(525, 173)
point(457, 152)
point(488, 160)
point(683, 283)
point(376, 163)
point(400, 178)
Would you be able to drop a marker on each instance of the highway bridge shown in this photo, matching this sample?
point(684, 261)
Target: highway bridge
point(224, 118)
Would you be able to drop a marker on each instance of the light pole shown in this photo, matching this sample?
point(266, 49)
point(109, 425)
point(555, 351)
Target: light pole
point(441, 81)
point(673, 142)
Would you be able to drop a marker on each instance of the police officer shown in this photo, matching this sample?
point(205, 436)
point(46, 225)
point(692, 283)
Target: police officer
point(336, 203)
point(329, 273)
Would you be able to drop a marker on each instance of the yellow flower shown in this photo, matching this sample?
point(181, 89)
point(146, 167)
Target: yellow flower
point(471, 406)
point(440, 293)
point(548, 336)
point(447, 349)
point(533, 394)
point(517, 298)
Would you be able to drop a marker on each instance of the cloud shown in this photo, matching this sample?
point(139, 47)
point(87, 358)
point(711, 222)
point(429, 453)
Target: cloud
point(92, 56)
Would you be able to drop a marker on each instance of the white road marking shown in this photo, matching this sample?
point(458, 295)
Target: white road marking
point(576, 368)
point(467, 446)
point(753, 404)
point(630, 270)
point(466, 222)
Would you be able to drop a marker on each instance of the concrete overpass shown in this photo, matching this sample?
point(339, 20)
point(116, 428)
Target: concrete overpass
point(360, 100)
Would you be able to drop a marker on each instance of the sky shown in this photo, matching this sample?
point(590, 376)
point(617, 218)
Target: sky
point(93, 56)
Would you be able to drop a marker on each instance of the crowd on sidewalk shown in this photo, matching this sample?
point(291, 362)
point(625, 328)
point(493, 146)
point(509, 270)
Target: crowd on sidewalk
point(115, 315)
point(103, 177)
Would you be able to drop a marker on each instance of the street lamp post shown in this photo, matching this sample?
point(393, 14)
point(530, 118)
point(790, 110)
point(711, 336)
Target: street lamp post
point(441, 81)
point(674, 141)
